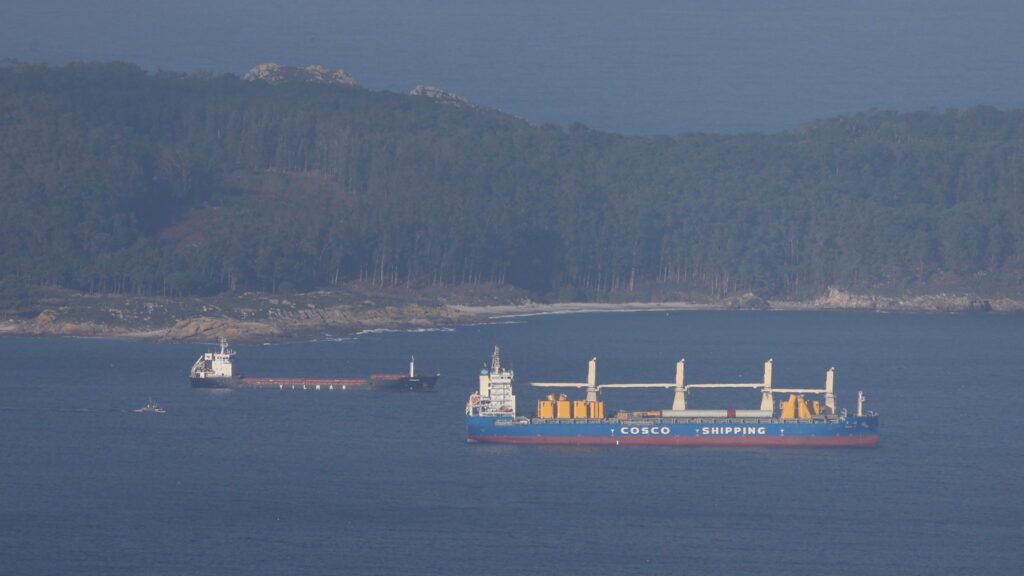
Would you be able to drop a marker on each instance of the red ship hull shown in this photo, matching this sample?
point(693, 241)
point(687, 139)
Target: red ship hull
point(395, 382)
point(795, 441)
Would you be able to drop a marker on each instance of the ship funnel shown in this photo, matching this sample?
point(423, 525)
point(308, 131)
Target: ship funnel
point(412, 367)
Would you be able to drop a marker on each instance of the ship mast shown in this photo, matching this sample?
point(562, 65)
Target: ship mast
point(495, 396)
point(496, 361)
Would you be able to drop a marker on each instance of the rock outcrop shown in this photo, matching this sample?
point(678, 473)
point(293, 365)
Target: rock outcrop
point(837, 299)
point(277, 74)
point(50, 323)
point(209, 329)
point(748, 301)
point(441, 96)
point(260, 318)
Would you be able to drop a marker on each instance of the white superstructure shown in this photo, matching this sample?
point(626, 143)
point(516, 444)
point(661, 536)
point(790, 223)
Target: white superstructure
point(215, 364)
point(151, 407)
point(495, 396)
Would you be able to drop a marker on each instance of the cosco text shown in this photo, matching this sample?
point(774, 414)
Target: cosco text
point(642, 430)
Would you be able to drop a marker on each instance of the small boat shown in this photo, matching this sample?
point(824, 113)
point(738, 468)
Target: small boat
point(151, 407)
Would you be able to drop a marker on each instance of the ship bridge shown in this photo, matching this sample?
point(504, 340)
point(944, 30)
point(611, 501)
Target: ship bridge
point(495, 396)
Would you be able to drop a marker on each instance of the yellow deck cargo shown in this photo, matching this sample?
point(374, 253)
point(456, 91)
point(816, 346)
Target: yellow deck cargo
point(545, 409)
point(803, 410)
point(564, 409)
point(579, 409)
point(787, 408)
point(798, 408)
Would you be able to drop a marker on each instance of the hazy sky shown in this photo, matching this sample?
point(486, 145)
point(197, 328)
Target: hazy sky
point(636, 67)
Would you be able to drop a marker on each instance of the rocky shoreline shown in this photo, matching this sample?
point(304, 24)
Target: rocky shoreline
point(258, 318)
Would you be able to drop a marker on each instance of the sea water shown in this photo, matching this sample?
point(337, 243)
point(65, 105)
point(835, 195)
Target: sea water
point(307, 482)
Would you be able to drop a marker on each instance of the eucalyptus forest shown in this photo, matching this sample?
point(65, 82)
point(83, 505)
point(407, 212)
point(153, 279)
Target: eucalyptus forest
point(118, 180)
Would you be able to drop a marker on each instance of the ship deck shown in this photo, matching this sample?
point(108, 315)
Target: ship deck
point(305, 383)
point(670, 420)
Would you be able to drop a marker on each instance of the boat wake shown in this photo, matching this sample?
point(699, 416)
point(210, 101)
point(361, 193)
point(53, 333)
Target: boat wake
point(404, 330)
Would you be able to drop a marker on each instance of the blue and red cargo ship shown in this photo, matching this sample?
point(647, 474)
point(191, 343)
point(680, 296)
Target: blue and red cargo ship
point(491, 416)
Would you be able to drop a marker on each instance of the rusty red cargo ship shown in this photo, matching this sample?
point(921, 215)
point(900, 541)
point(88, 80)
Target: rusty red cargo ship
point(216, 370)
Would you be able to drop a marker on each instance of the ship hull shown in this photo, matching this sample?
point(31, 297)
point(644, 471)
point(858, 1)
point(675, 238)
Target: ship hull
point(406, 383)
point(852, 432)
point(418, 383)
point(234, 382)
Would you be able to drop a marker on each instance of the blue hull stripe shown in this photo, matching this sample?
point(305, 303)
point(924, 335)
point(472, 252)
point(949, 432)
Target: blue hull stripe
point(854, 431)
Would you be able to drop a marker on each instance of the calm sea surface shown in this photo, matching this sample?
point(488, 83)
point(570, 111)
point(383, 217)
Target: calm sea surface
point(271, 482)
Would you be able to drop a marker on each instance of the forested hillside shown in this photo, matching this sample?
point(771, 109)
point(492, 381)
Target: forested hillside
point(117, 180)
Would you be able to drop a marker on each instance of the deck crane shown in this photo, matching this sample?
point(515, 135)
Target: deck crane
point(682, 389)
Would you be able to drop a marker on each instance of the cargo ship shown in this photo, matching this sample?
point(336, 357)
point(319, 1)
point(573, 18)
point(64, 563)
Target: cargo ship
point(216, 370)
point(492, 417)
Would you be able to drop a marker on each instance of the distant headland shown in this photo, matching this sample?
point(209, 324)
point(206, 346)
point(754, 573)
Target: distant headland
point(294, 201)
